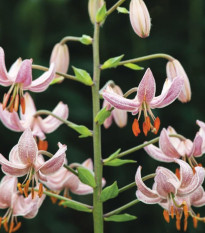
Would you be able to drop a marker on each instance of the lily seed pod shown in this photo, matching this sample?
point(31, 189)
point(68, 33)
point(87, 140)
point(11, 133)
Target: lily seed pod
point(175, 69)
point(60, 56)
point(92, 9)
point(140, 18)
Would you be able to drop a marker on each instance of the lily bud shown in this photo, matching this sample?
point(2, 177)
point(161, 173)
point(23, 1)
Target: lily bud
point(140, 18)
point(60, 56)
point(92, 10)
point(175, 69)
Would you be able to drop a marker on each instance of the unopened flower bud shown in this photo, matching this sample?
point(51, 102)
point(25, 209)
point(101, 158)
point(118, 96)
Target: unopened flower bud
point(92, 9)
point(60, 56)
point(174, 69)
point(140, 18)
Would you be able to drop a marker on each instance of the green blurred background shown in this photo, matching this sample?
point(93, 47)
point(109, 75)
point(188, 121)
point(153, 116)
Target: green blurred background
point(30, 29)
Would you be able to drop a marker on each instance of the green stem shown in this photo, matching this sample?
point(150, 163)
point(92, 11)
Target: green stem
point(43, 152)
point(50, 194)
point(98, 168)
point(133, 184)
point(117, 211)
point(43, 68)
point(148, 57)
point(70, 38)
point(114, 7)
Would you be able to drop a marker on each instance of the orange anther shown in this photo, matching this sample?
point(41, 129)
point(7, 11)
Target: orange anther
point(42, 145)
point(185, 224)
point(177, 173)
point(166, 216)
point(40, 190)
point(195, 222)
point(5, 100)
point(200, 165)
point(16, 103)
point(145, 128)
point(23, 105)
point(12, 105)
point(26, 188)
point(17, 227)
point(178, 217)
point(11, 227)
point(186, 210)
point(178, 224)
point(135, 127)
point(5, 224)
point(0, 221)
point(147, 120)
point(156, 125)
point(172, 211)
point(53, 199)
point(20, 188)
point(32, 193)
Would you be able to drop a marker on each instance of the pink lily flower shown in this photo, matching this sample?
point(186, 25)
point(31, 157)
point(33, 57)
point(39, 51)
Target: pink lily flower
point(168, 189)
point(201, 124)
point(37, 125)
point(16, 204)
point(119, 116)
point(145, 100)
point(67, 181)
point(19, 78)
point(24, 160)
point(171, 148)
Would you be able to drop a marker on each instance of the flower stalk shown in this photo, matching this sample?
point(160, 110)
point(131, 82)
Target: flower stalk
point(114, 7)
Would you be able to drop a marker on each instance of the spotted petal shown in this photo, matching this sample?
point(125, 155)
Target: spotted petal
point(24, 75)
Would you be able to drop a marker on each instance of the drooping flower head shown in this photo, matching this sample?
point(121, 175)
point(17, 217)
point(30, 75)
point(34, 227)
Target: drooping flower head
point(19, 77)
point(25, 160)
point(174, 194)
point(145, 100)
point(37, 125)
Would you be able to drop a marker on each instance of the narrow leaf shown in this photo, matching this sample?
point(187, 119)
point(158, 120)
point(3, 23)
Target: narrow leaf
point(86, 176)
point(101, 14)
point(83, 76)
point(102, 115)
point(133, 66)
point(112, 156)
point(118, 162)
point(112, 62)
point(109, 192)
point(75, 206)
point(120, 218)
point(57, 80)
point(81, 129)
point(122, 10)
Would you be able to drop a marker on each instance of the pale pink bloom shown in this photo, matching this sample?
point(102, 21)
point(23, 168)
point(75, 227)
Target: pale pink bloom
point(201, 124)
point(119, 116)
point(140, 18)
point(145, 100)
point(16, 204)
point(38, 126)
point(24, 160)
point(174, 68)
point(171, 148)
point(67, 181)
point(167, 184)
point(92, 9)
point(60, 57)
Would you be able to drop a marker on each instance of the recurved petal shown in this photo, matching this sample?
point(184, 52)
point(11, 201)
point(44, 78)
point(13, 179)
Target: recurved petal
point(27, 148)
point(14, 69)
point(50, 123)
point(55, 163)
point(13, 169)
point(166, 145)
point(30, 109)
point(157, 154)
point(88, 163)
point(170, 92)
point(24, 75)
point(4, 81)
point(147, 200)
point(120, 117)
point(142, 187)
point(197, 198)
point(11, 120)
point(42, 83)
point(196, 181)
point(201, 124)
point(147, 87)
point(197, 146)
point(120, 102)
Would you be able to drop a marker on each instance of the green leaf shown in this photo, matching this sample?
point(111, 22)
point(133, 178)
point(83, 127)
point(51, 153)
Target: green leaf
point(133, 66)
point(57, 80)
point(122, 10)
point(118, 162)
point(109, 192)
point(76, 206)
point(81, 129)
point(86, 176)
point(102, 115)
point(112, 156)
point(120, 218)
point(83, 76)
point(87, 40)
point(112, 62)
point(101, 14)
